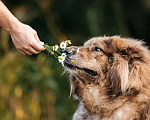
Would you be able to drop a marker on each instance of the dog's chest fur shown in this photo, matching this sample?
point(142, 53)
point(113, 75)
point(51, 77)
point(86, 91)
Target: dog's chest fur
point(123, 113)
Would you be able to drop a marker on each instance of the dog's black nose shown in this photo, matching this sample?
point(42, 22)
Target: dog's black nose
point(69, 51)
point(66, 51)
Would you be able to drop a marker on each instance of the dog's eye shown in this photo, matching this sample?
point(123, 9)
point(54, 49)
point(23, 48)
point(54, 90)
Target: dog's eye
point(97, 49)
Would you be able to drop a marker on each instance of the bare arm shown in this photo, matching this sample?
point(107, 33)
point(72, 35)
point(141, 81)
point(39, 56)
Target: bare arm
point(24, 37)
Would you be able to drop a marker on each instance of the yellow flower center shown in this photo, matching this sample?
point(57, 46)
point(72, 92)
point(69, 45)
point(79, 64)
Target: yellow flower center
point(54, 47)
point(73, 61)
point(71, 49)
point(63, 45)
point(63, 55)
point(52, 53)
point(67, 42)
point(61, 58)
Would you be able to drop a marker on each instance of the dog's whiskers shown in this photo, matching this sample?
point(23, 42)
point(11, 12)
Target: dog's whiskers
point(65, 71)
point(70, 92)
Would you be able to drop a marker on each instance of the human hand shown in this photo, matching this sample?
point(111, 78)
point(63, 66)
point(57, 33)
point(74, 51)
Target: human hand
point(26, 39)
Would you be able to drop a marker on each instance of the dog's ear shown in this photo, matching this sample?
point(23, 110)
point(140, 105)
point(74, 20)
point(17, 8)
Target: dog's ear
point(119, 74)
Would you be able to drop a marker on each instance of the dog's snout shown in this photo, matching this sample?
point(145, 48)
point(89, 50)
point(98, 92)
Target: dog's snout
point(65, 51)
point(68, 51)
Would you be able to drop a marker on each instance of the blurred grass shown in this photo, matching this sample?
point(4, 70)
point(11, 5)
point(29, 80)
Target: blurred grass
point(32, 87)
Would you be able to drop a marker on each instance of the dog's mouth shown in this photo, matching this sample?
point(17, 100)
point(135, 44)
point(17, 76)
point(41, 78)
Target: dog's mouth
point(89, 71)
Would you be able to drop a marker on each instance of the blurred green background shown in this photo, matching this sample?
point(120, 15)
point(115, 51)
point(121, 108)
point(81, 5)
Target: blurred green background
point(32, 87)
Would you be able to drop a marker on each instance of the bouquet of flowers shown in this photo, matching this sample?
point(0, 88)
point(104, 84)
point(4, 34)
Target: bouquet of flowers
point(58, 50)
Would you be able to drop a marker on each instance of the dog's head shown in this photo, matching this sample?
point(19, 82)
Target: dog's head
point(117, 65)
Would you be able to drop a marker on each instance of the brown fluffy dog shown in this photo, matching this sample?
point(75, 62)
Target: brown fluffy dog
point(111, 79)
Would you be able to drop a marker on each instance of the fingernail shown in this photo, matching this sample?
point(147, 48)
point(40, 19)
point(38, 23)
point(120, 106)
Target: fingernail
point(41, 43)
point(44, 48)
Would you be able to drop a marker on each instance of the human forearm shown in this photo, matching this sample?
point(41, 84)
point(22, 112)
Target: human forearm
point(7, 20)
point(23, 36)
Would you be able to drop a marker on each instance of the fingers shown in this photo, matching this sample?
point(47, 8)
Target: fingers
point(33, 48)
point(38, 40)
point(33, 51)
point(22, 52)
point(41, 43)
point(27, 52)
point(26, 40)
point(37, 46)
point(36, 37)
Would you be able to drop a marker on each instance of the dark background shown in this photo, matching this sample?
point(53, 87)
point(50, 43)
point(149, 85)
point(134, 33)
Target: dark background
point(32, 87)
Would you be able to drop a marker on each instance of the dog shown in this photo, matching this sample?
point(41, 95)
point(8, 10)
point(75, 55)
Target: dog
point(110, 78)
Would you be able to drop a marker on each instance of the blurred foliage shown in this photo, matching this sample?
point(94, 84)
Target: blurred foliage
point(32, 87)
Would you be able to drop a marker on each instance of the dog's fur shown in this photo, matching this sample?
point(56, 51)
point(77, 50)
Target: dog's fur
point(111, 79)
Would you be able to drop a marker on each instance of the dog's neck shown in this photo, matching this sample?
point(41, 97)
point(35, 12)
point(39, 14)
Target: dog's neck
point(94, 98)
point(97, 102)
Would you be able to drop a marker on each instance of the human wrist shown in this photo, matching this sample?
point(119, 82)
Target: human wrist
point(14, 25)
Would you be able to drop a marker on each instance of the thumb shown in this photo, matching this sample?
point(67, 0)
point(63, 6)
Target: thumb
point(41, 43)
point(38, 40)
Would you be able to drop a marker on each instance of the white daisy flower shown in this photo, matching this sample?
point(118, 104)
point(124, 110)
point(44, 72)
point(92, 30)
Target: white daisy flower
point(77, 50)
point(63, 54)
point(63, 45)
point(61, 59)
point(55, 48)
point(72, 49)
point(68, 42)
